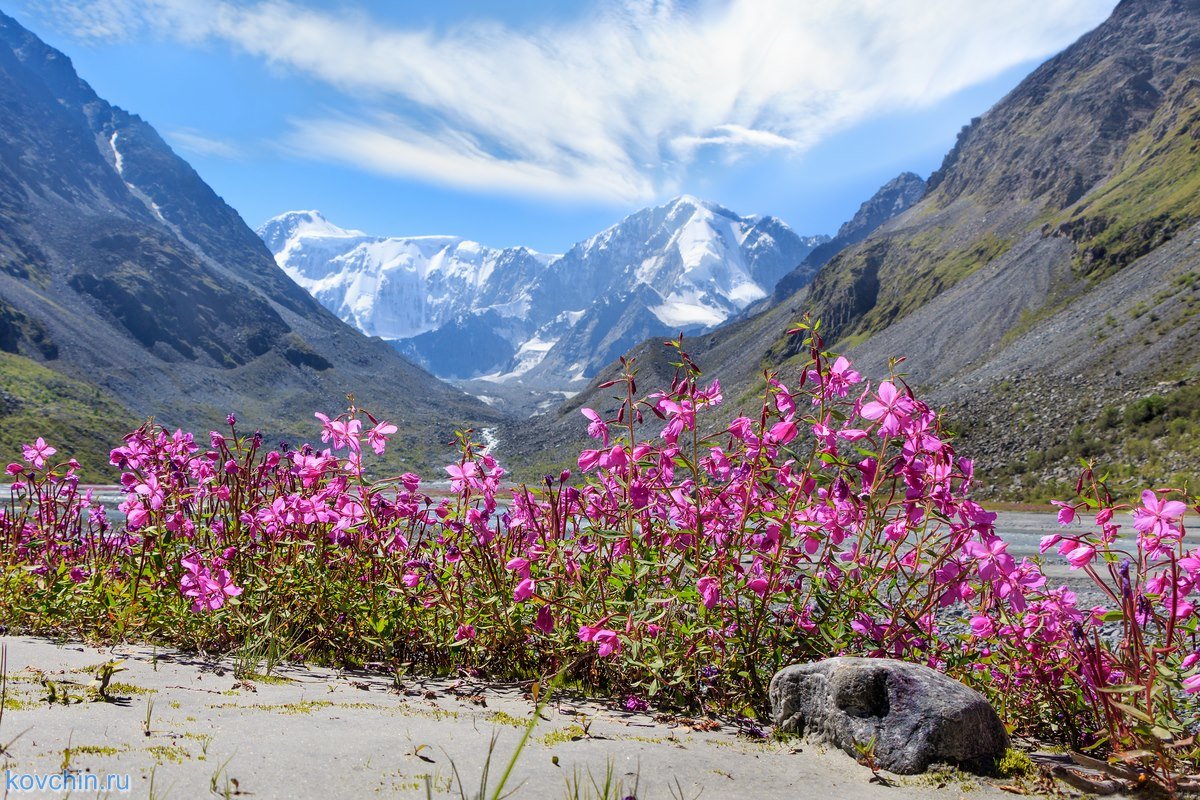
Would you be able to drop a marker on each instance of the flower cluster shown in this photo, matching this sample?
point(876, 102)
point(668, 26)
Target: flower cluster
point(682, 564)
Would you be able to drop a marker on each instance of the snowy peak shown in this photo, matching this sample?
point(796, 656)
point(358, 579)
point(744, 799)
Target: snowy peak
point(277, 231)
point(706, 261)
point(465, 310)
point(400, 287)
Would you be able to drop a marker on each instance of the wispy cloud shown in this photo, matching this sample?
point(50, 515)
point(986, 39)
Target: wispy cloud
point(614, 105)
point(192, 141)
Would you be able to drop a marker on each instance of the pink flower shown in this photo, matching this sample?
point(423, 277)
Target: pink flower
point(782, 432)
point(710, 591)
point(616, 459)
point(596, 427)
point(639, 495)
point(1078, 554)
point(377, 436)
point(38, 452)
point(1066, 512)
point(758, 586)
point(838, 381)
point(342, 433)
point(841, 377)
point(742, 428)
point(982, 626)
point(544, 621)
point(607, 643)
point(588, 459)
point(1156, 518)
point(524, 590)
point(994, 562)
point(1191, 684)
point(464, 633)
point(207, 587)
point(463, 475)
point(892, 409)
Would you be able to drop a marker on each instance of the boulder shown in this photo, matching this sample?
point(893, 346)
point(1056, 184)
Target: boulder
point(916, 716)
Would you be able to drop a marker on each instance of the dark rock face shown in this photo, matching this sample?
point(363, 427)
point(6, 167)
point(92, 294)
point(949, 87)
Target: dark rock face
point(915, 715)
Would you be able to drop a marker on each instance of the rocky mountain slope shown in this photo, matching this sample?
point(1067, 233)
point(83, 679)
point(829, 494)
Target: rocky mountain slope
point(515, 316)
point(891, 200)
point(129, 289)
point(1045, 289)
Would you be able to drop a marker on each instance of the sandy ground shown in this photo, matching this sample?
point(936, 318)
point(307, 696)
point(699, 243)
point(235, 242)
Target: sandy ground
point(181, 727)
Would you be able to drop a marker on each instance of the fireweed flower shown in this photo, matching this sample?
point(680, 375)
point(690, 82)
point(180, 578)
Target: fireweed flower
point(596, 427)
point(524, 590)
point(342, 433)
point(544, 620)
point(710, 591)
point(463, 475)
point(1066, 512)
point(1157, 523)
point(1078, 554)
point(892, 408)
point(377, 437)
point(837, 381)
point(993, 561)
point(607, 642)
point(779, 546)
point(207, 587)
point(38, 452)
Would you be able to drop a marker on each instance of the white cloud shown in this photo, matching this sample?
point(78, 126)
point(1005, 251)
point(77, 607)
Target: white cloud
point(95, 19)
point(198, 143)
point(613, 105)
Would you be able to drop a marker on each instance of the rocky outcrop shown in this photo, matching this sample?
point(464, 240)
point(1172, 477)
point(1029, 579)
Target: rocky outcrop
point(893, 199)
point(907, 717)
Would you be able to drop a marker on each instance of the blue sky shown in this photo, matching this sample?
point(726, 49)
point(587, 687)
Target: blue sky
point(540, 123)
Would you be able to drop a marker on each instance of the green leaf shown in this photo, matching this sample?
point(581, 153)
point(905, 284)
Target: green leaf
point(1135, 712)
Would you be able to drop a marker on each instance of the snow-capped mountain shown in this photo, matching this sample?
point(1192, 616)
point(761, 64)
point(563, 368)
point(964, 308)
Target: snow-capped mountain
point(466, 310)
point(400, 287)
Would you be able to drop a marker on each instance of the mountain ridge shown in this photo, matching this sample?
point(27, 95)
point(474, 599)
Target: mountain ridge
point(549, 320)
point(123, 272)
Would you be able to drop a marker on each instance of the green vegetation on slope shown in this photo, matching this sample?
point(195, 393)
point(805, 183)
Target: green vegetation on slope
point(1152, 440)
point(929, 276)
point(80, 420)
point(1154, 193)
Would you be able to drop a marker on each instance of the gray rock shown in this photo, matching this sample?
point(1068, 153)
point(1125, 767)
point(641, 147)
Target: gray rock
point(916, 715)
